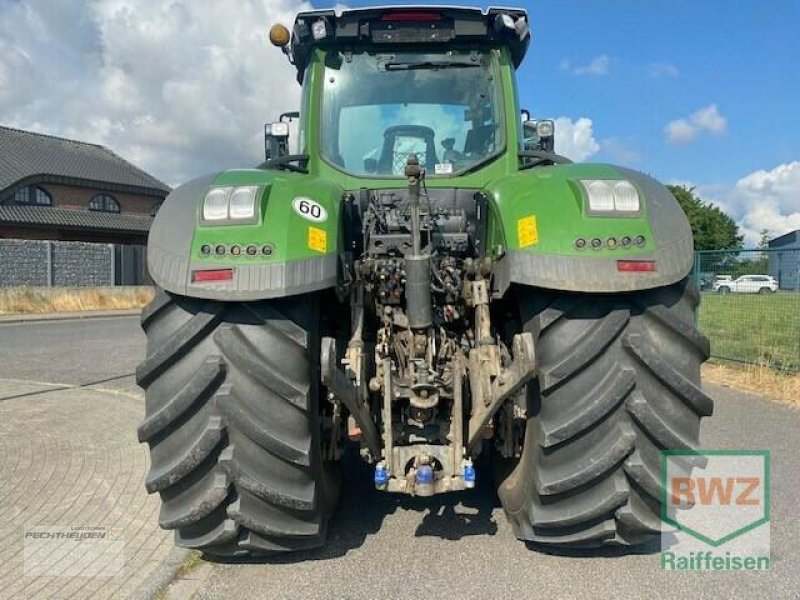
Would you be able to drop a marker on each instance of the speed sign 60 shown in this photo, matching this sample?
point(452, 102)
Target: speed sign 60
point(308, 209)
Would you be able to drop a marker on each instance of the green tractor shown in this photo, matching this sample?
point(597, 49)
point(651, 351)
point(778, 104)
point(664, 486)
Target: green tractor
point(427, 281)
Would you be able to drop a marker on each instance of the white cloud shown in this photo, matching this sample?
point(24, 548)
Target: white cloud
point(178, 88)
point(620, 151)
point(599, 65)
point(761, 200)
point(575, 139)
point(705, 120)
point(771, 200)
point(709, 119)
point(656, 70)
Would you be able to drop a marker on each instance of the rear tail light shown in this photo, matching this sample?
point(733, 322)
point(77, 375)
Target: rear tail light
point(636, 266)
point(212, 275)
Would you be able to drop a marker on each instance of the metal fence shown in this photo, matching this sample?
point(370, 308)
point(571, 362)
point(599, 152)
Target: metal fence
point(750, 306)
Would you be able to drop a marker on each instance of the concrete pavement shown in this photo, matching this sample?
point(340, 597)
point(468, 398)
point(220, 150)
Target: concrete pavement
point(460, 546)
point(68, 455)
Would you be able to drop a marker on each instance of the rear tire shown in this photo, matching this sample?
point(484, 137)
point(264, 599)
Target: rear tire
point(233, 424)
point(618, 381)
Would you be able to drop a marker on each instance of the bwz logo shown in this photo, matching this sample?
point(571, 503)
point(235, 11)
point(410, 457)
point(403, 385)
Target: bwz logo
point(726, 496)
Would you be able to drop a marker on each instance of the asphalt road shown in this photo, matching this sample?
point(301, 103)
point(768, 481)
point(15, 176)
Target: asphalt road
point(384, 546)
point(100, 352)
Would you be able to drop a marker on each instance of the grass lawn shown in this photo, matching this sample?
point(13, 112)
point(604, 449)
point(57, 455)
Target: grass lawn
point(756, 328)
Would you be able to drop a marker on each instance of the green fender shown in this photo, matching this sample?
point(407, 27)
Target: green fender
point(295, 253)
point(538, 216)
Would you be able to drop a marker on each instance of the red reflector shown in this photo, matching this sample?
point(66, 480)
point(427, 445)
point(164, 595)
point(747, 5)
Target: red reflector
point(213, 275)
point(636, 266)
point(411, 15)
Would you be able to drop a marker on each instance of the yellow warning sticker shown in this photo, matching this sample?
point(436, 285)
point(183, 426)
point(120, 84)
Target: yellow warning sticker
point(317, 239)
point(527, 234)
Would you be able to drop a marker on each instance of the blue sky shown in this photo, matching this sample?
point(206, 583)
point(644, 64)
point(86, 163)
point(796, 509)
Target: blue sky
point(666, 60)
point(703, 92)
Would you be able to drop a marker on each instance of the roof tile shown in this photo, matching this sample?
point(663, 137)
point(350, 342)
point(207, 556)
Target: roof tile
point(25, 153)
point(76, 219)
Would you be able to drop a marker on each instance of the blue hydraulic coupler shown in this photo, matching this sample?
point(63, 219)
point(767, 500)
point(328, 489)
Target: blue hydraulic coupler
point(381, 476)
point(424, 475)
point(469, 474)
point(424, 484)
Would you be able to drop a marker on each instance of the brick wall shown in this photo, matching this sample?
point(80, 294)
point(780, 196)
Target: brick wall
point(70, 235)
point(15, 232)
point(66, 196)
point(40, 263)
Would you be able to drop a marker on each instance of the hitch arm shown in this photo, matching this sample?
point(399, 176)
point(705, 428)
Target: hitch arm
point(487, 398)
point(341, 386)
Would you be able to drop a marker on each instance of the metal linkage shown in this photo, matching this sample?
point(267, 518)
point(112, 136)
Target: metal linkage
point(489, 391)
point(343, 388)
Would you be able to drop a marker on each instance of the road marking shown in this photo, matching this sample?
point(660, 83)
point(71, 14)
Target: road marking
point(69, 386)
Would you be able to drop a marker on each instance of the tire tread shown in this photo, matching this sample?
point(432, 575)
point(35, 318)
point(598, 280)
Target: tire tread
point(618, 383)
point(231, 424)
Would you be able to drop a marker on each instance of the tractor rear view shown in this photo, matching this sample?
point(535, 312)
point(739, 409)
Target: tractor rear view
point(427, 280)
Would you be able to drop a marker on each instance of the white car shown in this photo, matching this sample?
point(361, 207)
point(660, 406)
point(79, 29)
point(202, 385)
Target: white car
point(747, 284)
point(720, 280)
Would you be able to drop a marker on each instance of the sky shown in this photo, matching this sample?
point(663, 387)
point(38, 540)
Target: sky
point(705, 93)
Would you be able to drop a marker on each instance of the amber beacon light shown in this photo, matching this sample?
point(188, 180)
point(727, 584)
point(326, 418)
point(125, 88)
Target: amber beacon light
point(279, 35)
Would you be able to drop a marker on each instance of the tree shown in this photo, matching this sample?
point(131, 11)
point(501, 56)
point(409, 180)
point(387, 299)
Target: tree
point(758, 262)
point(713, 229)
point(763, 244)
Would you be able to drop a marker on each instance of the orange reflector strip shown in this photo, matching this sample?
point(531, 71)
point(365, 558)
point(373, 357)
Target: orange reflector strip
point(636, 266)
point(213, 275)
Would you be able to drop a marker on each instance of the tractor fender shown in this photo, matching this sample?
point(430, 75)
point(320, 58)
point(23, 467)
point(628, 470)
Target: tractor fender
point(547, 257)
point(295, 253)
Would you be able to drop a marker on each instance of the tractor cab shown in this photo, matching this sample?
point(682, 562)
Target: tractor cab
point(390, 82)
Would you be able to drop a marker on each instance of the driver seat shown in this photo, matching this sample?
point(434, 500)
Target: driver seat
point(401, 140)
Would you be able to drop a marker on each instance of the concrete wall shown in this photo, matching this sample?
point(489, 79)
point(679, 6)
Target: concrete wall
point(47, 263)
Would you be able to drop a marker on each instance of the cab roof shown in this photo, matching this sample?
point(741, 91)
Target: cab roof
point(408, 25)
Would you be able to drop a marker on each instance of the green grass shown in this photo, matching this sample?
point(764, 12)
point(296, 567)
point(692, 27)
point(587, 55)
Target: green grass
point(754, 328)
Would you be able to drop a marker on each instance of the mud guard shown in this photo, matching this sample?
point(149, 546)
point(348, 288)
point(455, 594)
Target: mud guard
point(295, 266)
point(669, 245)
